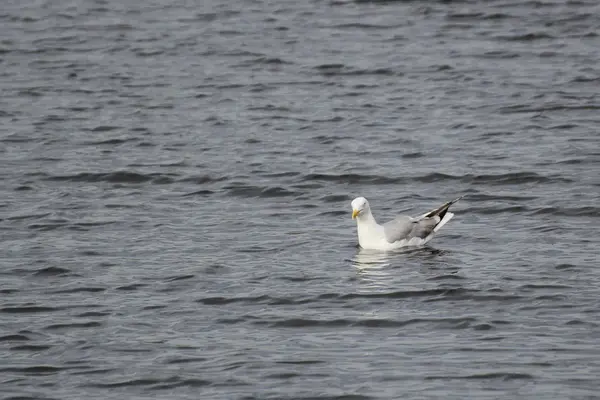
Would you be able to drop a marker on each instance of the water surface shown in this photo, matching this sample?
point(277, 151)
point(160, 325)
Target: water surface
point(176, 186)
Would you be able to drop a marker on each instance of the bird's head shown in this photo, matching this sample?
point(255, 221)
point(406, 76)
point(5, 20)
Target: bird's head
point(359, 206)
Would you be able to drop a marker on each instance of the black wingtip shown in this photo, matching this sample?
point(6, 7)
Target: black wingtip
point(457, 199)
point(441, 212)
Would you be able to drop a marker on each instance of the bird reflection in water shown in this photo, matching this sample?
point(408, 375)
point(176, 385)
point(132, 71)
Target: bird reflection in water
point(379, 270)
point(373, 268)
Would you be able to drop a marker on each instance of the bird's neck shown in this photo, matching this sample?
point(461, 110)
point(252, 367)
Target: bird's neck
point(366, 219)
point(367, 229)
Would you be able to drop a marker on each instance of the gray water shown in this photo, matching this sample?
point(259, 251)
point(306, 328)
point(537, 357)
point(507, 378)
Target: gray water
point(176, 186)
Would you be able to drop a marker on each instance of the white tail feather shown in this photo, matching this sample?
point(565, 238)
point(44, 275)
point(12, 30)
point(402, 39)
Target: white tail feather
point(446, 218)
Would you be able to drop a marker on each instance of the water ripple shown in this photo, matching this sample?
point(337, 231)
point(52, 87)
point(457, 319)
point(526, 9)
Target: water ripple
point(176, 184)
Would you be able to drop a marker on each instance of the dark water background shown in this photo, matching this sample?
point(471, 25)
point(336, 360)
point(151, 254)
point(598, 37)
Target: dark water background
point(176, 180)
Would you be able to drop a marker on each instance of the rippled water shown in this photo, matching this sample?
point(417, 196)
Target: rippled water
point(176, 180)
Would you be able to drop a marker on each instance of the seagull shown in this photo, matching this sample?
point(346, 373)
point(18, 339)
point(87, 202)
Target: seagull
point(404, 231)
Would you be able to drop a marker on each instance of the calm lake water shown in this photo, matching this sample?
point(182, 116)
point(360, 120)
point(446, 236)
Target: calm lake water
point(176, 186)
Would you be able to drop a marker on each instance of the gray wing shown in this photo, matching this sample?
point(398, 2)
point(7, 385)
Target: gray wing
point(407, 228)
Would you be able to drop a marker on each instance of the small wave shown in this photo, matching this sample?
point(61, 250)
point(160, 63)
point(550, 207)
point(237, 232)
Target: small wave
point(492, 297)
point(303, 278)
point(329, 139)
point(565, 267)
point(483, 327)
point(353, 179)
point(585, 79)
point(563, 126)
point(494, 134)
point(155, 307)
point(133, 286)
point(329, 66)
point(28, 309)
point(36, 369)
point(219, 300)
point(179, 278)
point(581, 322)
point(183, 382)
point(533, 286)
point(81, 290)
point(114, 177)
point(358, 25)
point(115, 141)
point(259, 249)
point(446, 277)
point(204, 192)
point(131, 382)
point(343, 70)
point(285, 174)
point(416, 154)
point(500, 54)
point(551, 297)
point(453, 293)
point(14, 338)
point(438, 176)
point(76, 325)
point(224, 14)
point(203, 179)
point(266, 299)
point(28, 216)
point(79, 226)
point(23, 188)
point(589, 211)
point(186, 360)
point(93, 371)
point(499, 179)
point(16, 138)
point(497, 210)
point(31, 347)
point(155, 384)
point(269, 107)
point(93, 314)
point(243, 190)
point(493, 197)
point(93, 223)
point(335, 198)
point(528, 37)
point(464, 16)
point(368, 323)
point(522, 108)
point(104, 128)
point(300, 362)
point(334, 397)
point(505, 376)
point(517, 178)
point(334, 213)
point(214, 269)
point(568, 161)
point(271, 61)
point(497, 16)
point(47, 226)
point(52, 271)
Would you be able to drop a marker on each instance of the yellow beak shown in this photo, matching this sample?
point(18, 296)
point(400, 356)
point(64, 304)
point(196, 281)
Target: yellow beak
point(355, 213)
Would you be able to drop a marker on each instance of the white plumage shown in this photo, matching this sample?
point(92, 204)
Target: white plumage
point(401, 232)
